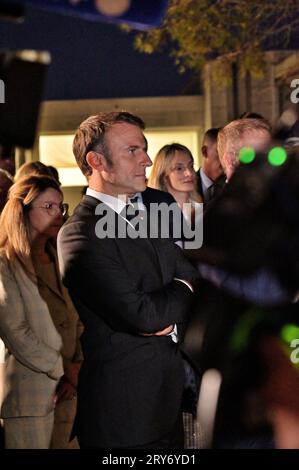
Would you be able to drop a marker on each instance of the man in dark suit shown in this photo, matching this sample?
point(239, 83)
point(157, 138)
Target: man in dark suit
point(210, 176)
point(133, 294)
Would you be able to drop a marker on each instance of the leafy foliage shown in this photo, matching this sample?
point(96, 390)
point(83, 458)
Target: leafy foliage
point(201, 30)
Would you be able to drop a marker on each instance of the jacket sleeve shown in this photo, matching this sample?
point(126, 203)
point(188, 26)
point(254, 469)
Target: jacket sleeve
point(94, 274)
point(78, 356)
point(17, 334)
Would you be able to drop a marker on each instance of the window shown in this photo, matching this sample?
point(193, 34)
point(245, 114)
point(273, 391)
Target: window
point(56, 150)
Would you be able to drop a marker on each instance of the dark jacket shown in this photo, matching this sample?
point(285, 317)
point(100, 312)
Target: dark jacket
point(130, 385)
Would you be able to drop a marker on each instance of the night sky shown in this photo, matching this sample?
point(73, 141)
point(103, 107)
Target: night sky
point(92, 60)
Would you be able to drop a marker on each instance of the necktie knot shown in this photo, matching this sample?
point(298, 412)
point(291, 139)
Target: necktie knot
point(133, 200)
point(130, 211)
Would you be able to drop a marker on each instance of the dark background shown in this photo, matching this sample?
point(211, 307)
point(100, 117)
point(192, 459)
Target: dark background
point(93, 59)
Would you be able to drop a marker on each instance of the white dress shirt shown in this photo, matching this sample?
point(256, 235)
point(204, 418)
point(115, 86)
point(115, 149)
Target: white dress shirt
point(117, 204)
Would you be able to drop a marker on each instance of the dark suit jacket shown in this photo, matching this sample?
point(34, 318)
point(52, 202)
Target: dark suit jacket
point(175, 224)
point(151, 195)
point(155, 196)
point(199, 184)
point(219, 185)
point(130, 386)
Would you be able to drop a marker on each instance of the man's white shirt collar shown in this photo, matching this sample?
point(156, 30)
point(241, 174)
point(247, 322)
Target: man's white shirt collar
point(115, 203)
point(207, 182)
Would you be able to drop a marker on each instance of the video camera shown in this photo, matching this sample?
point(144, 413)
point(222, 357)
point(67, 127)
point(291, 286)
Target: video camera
point(252, 226)
point(255, 222)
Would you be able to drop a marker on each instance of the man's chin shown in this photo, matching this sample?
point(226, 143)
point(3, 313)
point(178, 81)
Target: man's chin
point(139, 188)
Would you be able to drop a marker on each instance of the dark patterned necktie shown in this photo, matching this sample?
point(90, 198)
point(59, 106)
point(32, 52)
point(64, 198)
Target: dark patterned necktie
point(210, 193)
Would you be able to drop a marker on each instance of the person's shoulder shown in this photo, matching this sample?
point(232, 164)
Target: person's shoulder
point(220, 181)
point(156, 195)
point(86, 206)
point(82, 223)
point(4, 263)
point(77, 222)
point(8, 268)
point(85, 209)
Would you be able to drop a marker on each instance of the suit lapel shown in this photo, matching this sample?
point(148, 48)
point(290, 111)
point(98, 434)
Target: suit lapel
point(57, 292)
point(153, 245)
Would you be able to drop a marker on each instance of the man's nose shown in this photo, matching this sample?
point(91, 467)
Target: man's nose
point(147, 161)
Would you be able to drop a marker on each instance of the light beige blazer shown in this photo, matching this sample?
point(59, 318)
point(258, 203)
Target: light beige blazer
point(63, 313)
point(33, 362)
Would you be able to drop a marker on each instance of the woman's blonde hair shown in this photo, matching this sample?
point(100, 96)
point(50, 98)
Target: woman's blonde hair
point(161, 167)
point(15, 240)
point(32, 168)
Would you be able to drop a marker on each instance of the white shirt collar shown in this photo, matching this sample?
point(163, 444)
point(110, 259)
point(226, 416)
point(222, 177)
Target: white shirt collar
point(115, 203)
point(207, 182)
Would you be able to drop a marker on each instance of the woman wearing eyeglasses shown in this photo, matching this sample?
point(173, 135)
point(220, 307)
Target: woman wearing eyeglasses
point(34, 310)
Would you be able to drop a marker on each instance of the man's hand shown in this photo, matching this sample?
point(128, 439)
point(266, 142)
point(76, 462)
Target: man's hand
point(65, 391)
point(164, 332)
point(71, 372)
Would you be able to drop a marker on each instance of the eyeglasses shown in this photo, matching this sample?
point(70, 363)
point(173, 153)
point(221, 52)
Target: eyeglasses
point(180, 168)
point(53, 209)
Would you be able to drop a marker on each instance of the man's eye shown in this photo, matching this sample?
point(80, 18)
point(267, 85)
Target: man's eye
point(48, 205)
point(132, 150)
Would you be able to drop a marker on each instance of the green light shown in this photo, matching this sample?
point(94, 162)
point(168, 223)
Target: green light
point(243, 329)
point(246, 155)
point(289, 332)
point(277, 156)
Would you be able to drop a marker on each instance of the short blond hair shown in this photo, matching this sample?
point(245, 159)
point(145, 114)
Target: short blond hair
point(230, 136)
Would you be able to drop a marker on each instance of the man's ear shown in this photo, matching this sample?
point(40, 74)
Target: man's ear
point(229, 162)
point(204, 151)
point(96, 160)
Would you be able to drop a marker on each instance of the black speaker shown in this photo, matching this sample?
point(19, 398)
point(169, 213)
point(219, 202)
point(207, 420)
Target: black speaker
point(10, 10)
point(23, 76)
